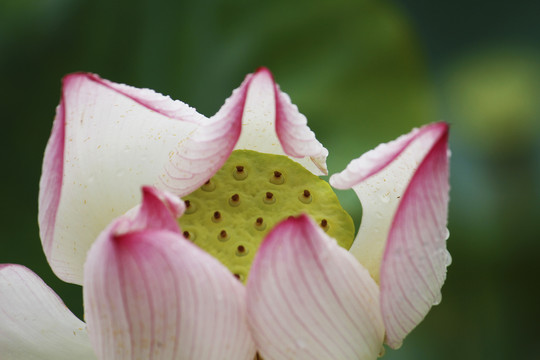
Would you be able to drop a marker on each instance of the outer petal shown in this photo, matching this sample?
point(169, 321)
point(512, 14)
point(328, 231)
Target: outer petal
point(35, 322)
point(402, 238)
point(415, 259)
point(272, 124)
point(151, 294)
point(379, 178)
point(309, 299)
point(107, 140)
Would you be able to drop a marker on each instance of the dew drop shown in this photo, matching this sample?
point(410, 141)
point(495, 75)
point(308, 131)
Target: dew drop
point(446, 234)
point(448, 259)
point(438, 298)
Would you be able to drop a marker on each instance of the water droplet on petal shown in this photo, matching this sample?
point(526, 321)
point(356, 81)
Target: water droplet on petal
point(438, 298)
point(448, 258)
point(446, 234)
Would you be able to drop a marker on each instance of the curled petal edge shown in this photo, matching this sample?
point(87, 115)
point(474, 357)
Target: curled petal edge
point(272, 124)
point(201, 155)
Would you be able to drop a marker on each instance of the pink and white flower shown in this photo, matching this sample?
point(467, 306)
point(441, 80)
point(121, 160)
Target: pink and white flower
point(149, 293)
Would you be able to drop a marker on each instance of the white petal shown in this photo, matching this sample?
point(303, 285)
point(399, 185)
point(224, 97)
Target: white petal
point(414, 263)
point(35, 323)
point(308, 298)
point(272, 124)
point(379, 178)
point(107, 141)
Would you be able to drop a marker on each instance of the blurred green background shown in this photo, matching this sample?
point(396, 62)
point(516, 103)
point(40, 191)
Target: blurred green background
point(363, 72)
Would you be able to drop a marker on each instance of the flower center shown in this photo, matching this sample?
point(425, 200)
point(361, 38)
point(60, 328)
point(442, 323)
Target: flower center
point(231, 213)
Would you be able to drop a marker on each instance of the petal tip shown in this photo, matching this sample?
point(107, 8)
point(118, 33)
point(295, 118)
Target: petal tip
point(173, 203)
point(67, 79)
point(263, 70)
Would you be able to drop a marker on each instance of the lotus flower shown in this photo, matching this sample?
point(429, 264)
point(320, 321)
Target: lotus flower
point(152, 293)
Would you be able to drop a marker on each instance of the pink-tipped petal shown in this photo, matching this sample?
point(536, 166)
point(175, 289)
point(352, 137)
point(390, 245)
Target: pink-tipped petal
point(199, 157)
point(50, 184)
point(151, 294)
point(107, 140)
point(373, 161)
point(380, 178)
point(35, 324)
point(158, 210)
point(308, 298)
point(413, 268)
point(272, 124)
